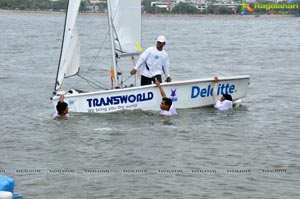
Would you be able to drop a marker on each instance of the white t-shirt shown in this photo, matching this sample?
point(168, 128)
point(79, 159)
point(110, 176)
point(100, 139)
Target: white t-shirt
point(171, 111)
point(225, 105)
point(157, 62)
point(56, 115)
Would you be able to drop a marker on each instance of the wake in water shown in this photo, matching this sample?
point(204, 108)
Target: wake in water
point(4, 76)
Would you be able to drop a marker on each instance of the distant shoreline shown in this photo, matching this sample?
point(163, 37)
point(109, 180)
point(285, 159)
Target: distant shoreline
point(150, 15)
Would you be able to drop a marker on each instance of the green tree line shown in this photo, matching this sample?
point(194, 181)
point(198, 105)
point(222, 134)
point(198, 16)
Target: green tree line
point(185, 8)
point(37, 4)
point(32, 4)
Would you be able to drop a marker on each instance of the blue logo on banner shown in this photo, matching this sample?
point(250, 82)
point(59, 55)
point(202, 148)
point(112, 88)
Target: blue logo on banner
point(173, 95)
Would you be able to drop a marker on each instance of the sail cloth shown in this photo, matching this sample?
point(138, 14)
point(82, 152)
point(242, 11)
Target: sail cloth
point(70, 54)
point(126, 18)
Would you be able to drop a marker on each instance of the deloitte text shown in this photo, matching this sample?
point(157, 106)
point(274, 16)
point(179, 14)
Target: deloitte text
point(208, 91)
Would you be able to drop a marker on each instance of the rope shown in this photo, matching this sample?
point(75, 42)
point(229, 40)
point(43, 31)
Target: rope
point(126, 79)
point(90, 66)
point(94, 83)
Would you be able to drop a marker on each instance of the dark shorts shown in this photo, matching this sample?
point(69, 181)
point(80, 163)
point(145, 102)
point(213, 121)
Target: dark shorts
point(148, 81)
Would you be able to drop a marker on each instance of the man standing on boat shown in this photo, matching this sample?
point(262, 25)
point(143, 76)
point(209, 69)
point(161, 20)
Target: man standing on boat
point(155, 61)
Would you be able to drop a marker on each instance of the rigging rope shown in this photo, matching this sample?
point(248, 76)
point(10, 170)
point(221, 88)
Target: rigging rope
point(94, 84)
point(90, 66)
point(126, 79)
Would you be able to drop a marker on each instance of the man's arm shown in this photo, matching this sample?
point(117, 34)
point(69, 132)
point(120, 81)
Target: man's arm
point(137, 66)
point(215, 90)
point(162, 92)
point(62, 98)
point(144, 56)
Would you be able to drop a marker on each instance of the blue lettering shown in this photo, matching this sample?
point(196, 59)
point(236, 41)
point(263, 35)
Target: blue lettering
point(109, 100)
point(206, 92)
point(90, 102)
point(116, 100)
point(122, 99)
point(203, 92)
point(131, 98)
point(102, 102)
point(226, 88)
point(140, 97)
point(222, 89)
point(209, 91)
point(231, 89)
point(95, 102)
point(150, 96)
point(195, 89)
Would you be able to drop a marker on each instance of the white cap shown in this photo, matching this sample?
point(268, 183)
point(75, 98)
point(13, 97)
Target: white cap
point(161, 39)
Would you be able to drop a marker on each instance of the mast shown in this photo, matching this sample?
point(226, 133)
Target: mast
point(62, 46)
point(112, 39)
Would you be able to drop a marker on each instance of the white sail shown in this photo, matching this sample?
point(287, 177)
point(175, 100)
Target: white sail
point(126, 17)
point(70, 54)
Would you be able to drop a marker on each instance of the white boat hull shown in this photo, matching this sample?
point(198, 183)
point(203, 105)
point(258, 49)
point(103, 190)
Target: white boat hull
point(184, 94)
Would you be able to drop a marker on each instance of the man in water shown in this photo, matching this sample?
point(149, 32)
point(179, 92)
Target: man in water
point(225, 102)
point(62, 110)
point(155, 61)
point(166, 105)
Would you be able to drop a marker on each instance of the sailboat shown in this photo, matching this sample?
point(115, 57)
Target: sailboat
point(125, 37)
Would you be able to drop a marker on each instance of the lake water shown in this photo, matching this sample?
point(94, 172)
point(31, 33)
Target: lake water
point(251, 152)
